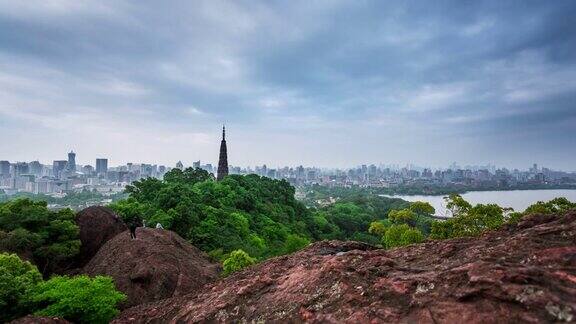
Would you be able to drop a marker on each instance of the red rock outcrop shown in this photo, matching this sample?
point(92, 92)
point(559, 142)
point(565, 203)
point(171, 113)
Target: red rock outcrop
point(97, 225)
point(39, 320)
point(523, 273)
point(157, 264)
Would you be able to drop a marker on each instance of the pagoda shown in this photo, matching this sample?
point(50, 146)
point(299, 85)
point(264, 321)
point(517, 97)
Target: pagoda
point(223, 161)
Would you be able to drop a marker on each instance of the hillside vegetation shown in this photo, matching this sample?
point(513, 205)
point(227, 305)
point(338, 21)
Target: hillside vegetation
point(251, 213)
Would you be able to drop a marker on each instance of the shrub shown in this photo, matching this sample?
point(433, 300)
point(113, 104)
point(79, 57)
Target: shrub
point(17, 280)
point(294, 243)
point(403, 216)
point(377, 228)
point(236, 261)
point(400, 235)
point(79, 299)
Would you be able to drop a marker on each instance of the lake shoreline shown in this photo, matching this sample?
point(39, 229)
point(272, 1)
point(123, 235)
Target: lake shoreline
point(519, 200)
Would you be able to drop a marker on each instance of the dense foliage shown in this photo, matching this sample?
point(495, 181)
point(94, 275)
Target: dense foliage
point(17, 279)
point(468, 220)
point(251, 213)
point(400, 235)
point(30, 228)
point(78, 299)
point(73, 199)
point(317, 192)
point(404, 226)
point(256, 214)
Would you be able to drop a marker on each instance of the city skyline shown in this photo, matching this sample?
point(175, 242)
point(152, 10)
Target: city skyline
point(454, 165)
point(332, 84)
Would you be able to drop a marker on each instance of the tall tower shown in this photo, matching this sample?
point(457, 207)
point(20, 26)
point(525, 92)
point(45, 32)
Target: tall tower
point(223, 161)
point(71, 161)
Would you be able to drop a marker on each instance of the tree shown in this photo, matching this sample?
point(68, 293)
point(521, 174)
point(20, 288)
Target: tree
point(468, 220)
point(400, 235)
point(236, 261)
point(377, 228)
point(456, 204)
point(189, 176)
point(442, 229)
point(30, 228)
point(422, 208)
point(79, 299)
point(294, 243)
point(555, 205)
point(17, 279)
point(404, 216)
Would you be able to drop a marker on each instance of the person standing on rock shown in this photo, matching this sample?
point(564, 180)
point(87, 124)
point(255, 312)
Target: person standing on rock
point(135, 223)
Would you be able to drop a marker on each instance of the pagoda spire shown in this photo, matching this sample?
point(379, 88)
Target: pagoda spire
point(223, 160)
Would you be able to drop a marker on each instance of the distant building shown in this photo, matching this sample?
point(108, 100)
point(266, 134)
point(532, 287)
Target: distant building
point(179, 165)
point(4, 169)
point(35, 168)
point(71, 166)
point(223, 159)
point(58, 167)
point(101, 166)
point(21, 168)
point(196, 164)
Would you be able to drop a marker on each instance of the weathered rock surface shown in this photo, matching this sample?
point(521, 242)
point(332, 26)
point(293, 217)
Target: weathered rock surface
point(97, 225)
point(156, 265)
point(39, 320)
point(523, 273)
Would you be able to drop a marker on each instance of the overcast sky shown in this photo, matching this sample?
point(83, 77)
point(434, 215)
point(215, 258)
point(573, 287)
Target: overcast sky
point(326, 83)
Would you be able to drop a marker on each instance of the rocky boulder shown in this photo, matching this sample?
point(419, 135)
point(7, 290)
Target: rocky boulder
point(521, 273)
point(97, 225)
point(156, 265)
point(39, 320)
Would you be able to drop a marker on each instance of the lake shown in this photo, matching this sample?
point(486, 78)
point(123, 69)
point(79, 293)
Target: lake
point(517, 199)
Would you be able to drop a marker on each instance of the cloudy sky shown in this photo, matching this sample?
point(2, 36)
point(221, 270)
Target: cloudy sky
point(326, 83)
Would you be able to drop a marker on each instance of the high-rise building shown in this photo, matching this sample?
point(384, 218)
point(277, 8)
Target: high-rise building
point(71, 166)
point(35, 168)
point(223, 160)
point(179, 165)
point(196, 164)
point(21, 168)
point(101, 166)
point(58, 167)
point(4, 169)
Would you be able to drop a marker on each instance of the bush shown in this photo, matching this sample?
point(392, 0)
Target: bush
point(236, 261)
point(79, 299)
point(294, 243)
point(377, 228)
point(442, 229)
point(400, 235)
point(555, 205)
point(17, 280)
point(403, 216)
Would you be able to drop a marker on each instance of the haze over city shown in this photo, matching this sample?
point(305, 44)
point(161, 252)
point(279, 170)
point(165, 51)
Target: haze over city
point(328, 83)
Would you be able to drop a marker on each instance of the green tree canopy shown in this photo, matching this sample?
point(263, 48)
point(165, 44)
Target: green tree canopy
point(400, 235)
point(30, 228)
point(17, 279)
point(79, 299)
point(422, 208)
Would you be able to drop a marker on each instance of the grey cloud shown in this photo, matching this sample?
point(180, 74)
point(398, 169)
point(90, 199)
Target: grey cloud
point(312, 78)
